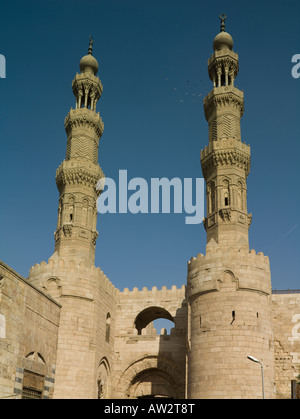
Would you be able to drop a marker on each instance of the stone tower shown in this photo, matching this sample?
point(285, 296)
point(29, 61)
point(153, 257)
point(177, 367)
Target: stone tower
point(77, 176)
point(229, 289)
point(86, 296)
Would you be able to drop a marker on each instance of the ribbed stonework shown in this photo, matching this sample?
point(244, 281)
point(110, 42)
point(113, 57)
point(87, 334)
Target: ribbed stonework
point(229, 288)
point(77, 176)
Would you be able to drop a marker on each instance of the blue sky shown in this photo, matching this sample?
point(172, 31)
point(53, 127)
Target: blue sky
point(146, 50)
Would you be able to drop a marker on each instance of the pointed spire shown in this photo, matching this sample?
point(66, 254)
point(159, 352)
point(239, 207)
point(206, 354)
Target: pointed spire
point(90, 51)
point(222, 18)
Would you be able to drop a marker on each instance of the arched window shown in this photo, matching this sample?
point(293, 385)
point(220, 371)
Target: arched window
point(240, 196)
point(226, 197)
point(213, 196)
point(85, 204)
point(71, 210)
point(107, 331)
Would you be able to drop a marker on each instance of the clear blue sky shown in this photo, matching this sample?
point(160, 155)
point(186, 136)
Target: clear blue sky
point(145, 50)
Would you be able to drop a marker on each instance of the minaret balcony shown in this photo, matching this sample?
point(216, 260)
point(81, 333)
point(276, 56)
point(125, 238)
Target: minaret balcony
point(84, 118)
point(225, 98)
point(224, 90)
point(225, 152)
point(75, 172)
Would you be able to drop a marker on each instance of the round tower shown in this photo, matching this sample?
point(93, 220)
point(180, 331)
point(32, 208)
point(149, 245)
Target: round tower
point(229, 288)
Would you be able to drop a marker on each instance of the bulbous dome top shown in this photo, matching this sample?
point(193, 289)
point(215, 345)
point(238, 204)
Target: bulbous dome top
point(223, 41)
point(88, 63)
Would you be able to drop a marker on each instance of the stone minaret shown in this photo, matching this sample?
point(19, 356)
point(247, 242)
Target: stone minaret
point(229, 288)
point(226, 160)
point(76, 177)
point(86, 295)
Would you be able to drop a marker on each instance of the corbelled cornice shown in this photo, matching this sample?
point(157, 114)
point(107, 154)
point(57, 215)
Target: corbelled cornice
point(225, 152)
point(223, 97)
point(69, 173)
point(84, 118)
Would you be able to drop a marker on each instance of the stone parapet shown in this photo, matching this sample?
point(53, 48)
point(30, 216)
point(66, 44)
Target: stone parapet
point(251, 270)
point(41, 273)
point(225, 152)
point(222, 90)
point(224, 144)
point(84, 118)
point(223, 97)
point(78, 172)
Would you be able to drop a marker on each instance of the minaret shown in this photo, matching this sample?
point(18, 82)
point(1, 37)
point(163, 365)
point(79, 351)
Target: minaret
point(226, 160)
point(228, 288)
point(76, 177)
point(86, 296)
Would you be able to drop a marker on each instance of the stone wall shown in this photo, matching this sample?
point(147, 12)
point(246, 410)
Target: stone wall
point(286, 312)
point(149, 362)
point(29, 322)
point(87, 325)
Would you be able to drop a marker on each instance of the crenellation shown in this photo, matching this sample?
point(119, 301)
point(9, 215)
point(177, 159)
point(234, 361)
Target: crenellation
point(225, 144)
point(174, 290)
point(214, 257)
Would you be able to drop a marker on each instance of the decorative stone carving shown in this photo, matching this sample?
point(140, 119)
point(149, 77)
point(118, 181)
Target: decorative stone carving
point(249, 219)
point(94, 237)
point(67, 175)
point(67, 229)
point(229, 157)
point(79, 118)
point(225, 98)
point(225, 214)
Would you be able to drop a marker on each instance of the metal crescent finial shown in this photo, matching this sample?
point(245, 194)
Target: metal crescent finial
point(223, 18)
point(91, 45)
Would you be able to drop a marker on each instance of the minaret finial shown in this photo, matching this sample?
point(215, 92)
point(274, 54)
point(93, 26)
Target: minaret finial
point(90, 51)
point(223, 18)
